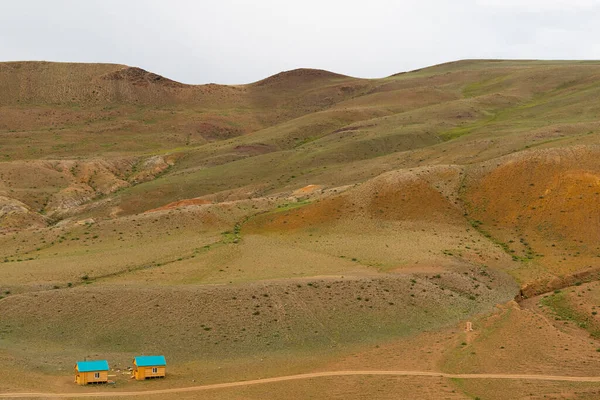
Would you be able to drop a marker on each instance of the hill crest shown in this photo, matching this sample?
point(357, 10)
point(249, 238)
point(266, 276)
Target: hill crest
point(141, 77)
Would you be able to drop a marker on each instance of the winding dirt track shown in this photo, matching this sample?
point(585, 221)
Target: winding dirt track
point(302, 376)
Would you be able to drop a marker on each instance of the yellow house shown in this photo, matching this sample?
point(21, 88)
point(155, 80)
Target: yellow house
point(91, 372)
point(145, 367)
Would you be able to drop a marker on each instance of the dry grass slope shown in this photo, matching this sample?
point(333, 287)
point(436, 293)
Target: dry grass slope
point(309, 216)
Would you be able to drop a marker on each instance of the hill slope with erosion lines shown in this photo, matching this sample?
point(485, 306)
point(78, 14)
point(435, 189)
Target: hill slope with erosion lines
point(309, 216)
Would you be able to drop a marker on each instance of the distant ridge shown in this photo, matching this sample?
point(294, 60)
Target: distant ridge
point(141, 77)
point(299, 76)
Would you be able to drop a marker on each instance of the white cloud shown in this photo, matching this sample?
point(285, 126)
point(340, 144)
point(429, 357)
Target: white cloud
point(541, 5)
point(235, 41)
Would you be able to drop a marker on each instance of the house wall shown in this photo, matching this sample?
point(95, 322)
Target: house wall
point(142, 373)
point(83, 378)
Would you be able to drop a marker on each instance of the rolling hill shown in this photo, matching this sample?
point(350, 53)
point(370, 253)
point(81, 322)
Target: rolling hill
point(309, 219)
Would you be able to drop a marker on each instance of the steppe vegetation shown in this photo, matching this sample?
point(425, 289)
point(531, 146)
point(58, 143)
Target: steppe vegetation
point(306, 222)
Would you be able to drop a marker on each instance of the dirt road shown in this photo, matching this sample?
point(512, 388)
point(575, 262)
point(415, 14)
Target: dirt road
point(298, 377)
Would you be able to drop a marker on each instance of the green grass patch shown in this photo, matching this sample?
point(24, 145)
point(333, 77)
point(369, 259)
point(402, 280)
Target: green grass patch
point(455, 133)
point(560, 305)
point(483, 87)
point(291, 206)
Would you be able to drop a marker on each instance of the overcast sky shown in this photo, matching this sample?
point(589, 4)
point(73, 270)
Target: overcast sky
point(235, 41)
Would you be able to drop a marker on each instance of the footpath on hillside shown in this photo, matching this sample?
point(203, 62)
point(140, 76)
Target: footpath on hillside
point(304, 376)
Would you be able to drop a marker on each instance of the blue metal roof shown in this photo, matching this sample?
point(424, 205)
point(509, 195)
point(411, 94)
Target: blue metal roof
point(150, 361)
point(91, 366)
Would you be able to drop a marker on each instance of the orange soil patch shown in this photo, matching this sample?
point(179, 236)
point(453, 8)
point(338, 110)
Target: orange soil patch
point(406, 198)
point(547, 203)
point(319, 213)
point(307, 190)
point(181, 203)
point(395, 196)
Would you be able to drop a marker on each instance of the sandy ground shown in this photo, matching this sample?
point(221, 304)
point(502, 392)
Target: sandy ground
point(310, 376)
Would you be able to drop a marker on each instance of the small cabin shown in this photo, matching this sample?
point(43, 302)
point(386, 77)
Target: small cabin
point(91, 372)
point(146, 367)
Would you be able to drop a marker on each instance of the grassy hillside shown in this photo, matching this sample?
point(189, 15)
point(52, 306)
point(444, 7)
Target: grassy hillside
point(308, 216)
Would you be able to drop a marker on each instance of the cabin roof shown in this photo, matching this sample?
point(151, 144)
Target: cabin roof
point(150, 361)
point(90, 366)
